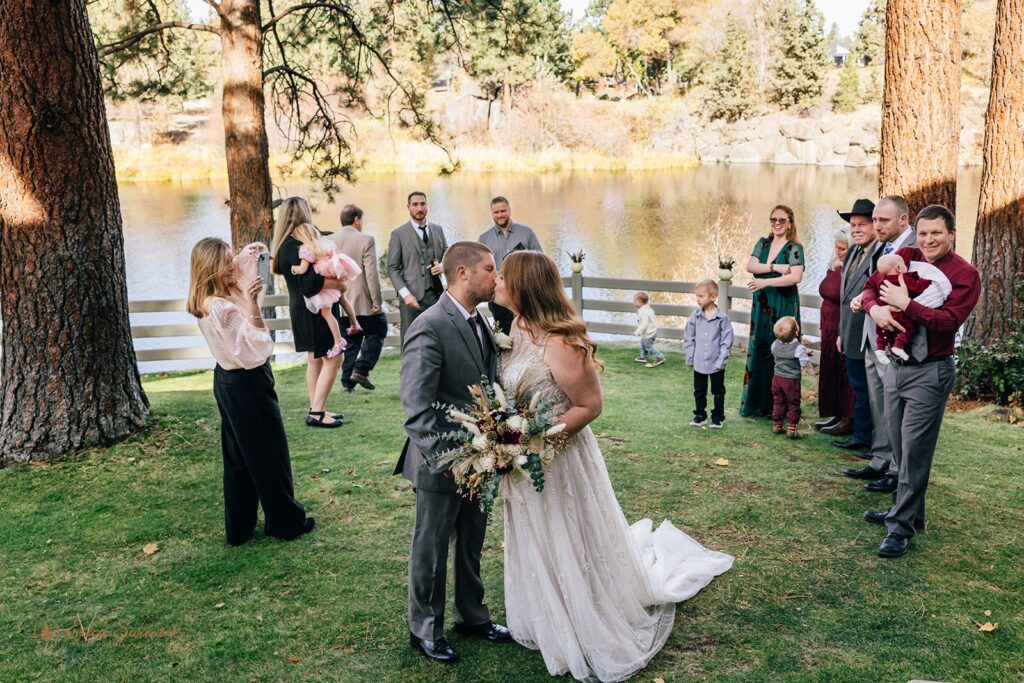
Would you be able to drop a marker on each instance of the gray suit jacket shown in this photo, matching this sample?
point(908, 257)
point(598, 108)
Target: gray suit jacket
point(851, 325)
point(363, 292)
point(409, 258)
point(440, 361)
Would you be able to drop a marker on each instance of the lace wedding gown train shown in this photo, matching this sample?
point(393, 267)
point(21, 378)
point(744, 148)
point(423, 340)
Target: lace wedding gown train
point(595, 595)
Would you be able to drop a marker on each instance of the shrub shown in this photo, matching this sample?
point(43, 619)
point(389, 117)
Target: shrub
point(994, 370)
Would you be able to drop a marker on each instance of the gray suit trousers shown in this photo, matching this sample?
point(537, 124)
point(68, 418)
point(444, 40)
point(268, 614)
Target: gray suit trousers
point(915, 400)
point(881, 443)
point(445, 521)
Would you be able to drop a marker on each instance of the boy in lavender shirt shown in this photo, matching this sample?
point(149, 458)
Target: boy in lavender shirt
point(707, 343)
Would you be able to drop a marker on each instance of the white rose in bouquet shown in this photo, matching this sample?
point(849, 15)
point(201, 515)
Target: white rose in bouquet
point(480, 442)
point(484, 464)
point(518, 423)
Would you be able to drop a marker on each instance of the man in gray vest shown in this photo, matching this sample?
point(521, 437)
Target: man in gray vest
point(446, 351)
point(856, 269)
point(891, 221)
point(503, 238)
point(415, 251)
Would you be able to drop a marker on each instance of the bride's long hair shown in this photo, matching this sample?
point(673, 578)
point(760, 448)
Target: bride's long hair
point(536, 294)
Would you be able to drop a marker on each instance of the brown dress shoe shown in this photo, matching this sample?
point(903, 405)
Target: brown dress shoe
point(843, 427)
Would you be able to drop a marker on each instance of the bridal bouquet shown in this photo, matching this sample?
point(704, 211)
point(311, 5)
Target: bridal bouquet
point(498, 437)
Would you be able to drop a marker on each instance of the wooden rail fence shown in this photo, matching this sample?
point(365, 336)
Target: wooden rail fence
point(617, 299)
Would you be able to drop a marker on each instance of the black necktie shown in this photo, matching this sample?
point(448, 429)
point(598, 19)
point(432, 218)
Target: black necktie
point(426, 236)
point(474, 322)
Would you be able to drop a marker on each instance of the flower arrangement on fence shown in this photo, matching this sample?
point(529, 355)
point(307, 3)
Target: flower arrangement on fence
point(499, 437)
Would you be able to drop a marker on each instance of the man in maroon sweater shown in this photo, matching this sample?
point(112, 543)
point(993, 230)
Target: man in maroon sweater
point(916, 389)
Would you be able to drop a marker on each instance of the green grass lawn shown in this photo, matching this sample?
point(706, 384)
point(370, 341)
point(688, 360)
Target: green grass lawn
point(807, 598)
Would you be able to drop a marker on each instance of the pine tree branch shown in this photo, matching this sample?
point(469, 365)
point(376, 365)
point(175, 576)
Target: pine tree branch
point(301, 7)
point(128, 41)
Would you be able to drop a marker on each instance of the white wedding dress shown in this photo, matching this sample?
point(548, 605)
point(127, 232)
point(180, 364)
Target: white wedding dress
point(595, 595)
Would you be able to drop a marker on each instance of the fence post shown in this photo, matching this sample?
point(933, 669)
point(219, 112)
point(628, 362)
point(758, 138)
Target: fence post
point(724, 300)
point(577, 292)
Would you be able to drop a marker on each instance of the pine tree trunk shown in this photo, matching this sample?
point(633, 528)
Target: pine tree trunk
point(506, 103)
point(245, 129)
point(999, 237)
point(69, 377)
point(921, 102)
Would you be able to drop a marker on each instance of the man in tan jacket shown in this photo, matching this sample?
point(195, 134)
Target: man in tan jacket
point(363, 293)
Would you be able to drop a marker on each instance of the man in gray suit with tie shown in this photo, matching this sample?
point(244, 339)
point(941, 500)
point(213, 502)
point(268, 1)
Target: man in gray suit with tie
point(447, 349)
point(891, 221)
point(856, 270)
point(415, 251)
point(363, 350)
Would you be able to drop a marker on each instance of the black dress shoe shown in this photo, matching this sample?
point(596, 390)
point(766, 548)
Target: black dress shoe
point(886, 484)
point(439, 650)
point(879, 518)
point(851, 444)
point(894, 545)
point(867, 472)
point(821, 424)
point(307, 526)
point(489, 631)
point(363, 381)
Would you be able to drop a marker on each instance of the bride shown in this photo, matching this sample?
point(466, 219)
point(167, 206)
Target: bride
point(593, 594)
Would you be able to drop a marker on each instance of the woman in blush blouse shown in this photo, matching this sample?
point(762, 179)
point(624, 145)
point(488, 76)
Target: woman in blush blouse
point(225, 295)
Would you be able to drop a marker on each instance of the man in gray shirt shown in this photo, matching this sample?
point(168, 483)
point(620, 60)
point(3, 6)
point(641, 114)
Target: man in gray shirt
point(503, 238)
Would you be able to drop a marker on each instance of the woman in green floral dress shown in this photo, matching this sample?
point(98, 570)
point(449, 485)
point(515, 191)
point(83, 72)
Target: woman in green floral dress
point(777, 264)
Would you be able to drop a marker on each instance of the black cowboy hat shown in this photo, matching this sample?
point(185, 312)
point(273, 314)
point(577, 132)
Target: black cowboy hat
point(861, 207)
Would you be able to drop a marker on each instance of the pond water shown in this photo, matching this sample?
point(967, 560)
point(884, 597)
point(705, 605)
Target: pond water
point(650, 225)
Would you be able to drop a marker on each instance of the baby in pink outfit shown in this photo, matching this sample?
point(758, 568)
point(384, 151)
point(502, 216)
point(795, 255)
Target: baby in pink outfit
point(327, 262)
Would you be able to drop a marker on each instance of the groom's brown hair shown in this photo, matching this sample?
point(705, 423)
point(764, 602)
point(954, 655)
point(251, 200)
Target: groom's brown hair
point(466, 254)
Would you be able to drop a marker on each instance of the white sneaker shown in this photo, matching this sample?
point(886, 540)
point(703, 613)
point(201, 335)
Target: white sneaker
point(882, 358)
point(715, 425)
point(698, 423)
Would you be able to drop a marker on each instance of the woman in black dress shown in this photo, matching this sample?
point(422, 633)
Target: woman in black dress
point(309, 330)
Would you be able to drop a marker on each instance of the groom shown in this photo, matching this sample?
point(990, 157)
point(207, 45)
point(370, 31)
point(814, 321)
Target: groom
point(446, 350)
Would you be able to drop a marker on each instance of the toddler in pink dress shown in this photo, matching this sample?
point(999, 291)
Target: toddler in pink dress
point(327, 262)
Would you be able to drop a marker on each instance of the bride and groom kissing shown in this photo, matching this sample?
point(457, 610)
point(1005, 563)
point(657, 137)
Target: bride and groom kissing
point(594, 595)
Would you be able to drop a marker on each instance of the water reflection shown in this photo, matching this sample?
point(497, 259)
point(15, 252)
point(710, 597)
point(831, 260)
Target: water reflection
point(652, 225)
point(643, 225)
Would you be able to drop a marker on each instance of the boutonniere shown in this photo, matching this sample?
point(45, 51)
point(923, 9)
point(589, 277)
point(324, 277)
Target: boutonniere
point(501, 340)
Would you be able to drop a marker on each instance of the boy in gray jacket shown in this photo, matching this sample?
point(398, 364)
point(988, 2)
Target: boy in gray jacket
point(790, 356)
point(707, 343)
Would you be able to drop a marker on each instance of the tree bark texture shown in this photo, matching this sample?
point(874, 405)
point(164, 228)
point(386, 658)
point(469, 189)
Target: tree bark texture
point(999, 237)
point(921, 102)
point(245, 129)
point(69, 376)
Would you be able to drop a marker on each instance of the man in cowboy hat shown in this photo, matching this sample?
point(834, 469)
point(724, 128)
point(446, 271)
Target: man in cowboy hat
point(857, 267)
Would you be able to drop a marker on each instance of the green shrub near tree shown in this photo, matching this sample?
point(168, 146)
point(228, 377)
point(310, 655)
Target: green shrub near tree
point(994, 370)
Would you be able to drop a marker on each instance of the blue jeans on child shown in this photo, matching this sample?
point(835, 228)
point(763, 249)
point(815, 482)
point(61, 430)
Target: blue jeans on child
point(647, 349)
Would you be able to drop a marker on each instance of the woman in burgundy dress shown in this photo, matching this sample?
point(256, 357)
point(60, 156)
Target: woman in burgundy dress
point(835, 397)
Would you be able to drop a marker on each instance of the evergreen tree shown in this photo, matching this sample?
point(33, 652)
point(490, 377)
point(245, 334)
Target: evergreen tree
point(869, 40)
point(729, 81)
point(847, 95)
point(516, 43)
point(800, 70)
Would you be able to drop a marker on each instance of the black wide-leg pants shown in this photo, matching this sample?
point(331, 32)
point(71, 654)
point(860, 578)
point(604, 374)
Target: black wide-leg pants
point(257, 468)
